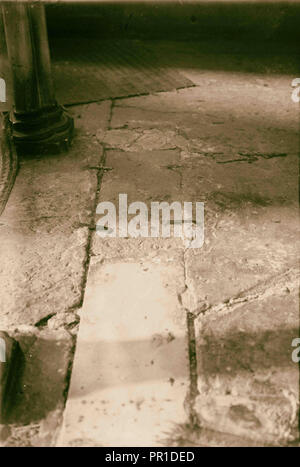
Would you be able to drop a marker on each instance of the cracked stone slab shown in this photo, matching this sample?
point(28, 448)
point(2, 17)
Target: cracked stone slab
point(258, 184)
point(140, 139)
point(238, 256)
point(144, 176)
point(44, 231)
point(130, 373)
point(249, 385)
point(224, 105)
point(225, 114)
point(246, 270)
point(251, 227)
point(251, 222)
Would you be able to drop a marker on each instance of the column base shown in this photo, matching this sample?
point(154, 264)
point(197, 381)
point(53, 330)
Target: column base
point(49, 130)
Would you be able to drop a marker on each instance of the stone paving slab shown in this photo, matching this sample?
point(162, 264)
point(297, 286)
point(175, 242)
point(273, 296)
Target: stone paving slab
point(43, 379)
point(225, 110)
point(249, 384)
point(130, 374)
point(144, 176)
point(44, 229)
point(44, 238)
point(242, 166)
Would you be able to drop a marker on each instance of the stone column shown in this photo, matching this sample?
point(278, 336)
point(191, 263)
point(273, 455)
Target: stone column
point(39, 124)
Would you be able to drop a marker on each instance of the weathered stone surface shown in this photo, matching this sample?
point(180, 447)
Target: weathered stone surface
point(240, 252)
point(224, 109)
point(141, 139)
point(250, 208)
point(48, 429)
point(188, 435)
point(249, 385)
point(232, 142)
point(144, 176)
point(44, 231)
point(21, 436)
point(130, 374)
point(5, 432)
point(92, 118)
point(148, 175)
point(68, 321)
point(11, 366)
point(45, 378)
point(243, 167)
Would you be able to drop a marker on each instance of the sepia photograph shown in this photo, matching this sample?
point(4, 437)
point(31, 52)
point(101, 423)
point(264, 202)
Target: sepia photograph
point(149, 226)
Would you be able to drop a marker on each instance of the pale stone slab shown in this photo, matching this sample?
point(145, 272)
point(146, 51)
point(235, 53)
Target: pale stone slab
point(130, 374)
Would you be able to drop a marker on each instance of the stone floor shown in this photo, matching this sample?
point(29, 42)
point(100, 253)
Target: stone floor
point(193, 346)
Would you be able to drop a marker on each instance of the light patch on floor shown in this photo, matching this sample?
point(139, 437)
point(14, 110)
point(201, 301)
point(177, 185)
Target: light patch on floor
point(130, 375)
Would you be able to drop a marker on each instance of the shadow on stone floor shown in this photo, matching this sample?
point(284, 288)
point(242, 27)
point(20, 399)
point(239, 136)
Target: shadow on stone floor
point(235, 355)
